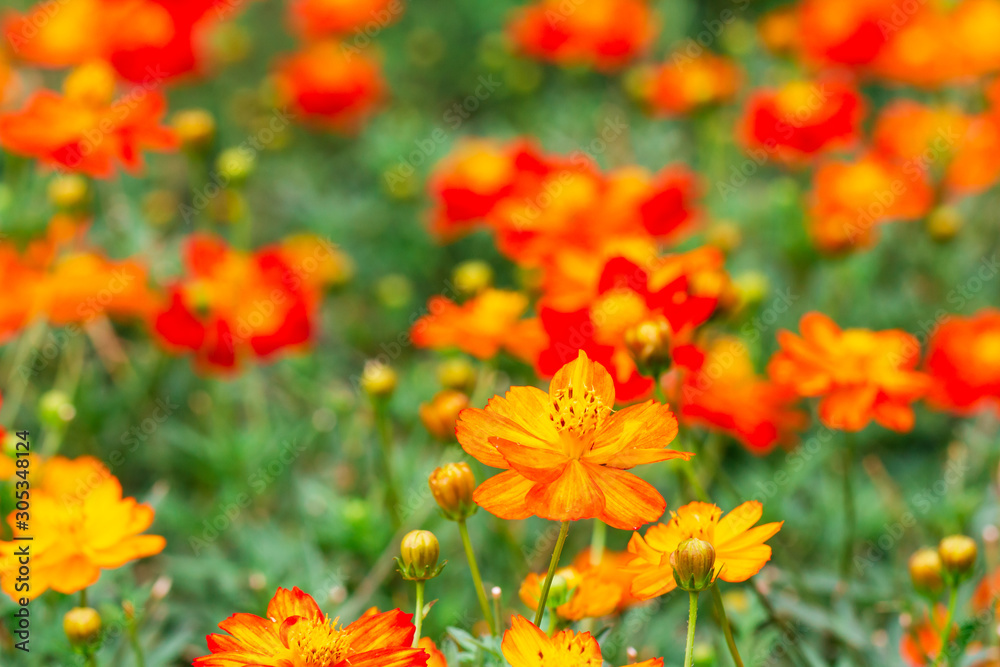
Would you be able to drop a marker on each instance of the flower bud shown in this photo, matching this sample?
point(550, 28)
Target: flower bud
point(472, 277)
point(649, 344)
point(457, 373)
point(68, 191)
point(925, 571)
point(724, 235)
point(379, 380)
point(82, 625)
point(958, 554)
point(195, 129)
point(235, 165)
point(693, 563)
point(441, 413)
point(452, 486)
point(944, 223)
point(419, 551)
point(55, 409)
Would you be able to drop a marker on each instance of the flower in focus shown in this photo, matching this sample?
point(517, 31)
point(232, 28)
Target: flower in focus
point(330, 88)
point(565, 453)
point(685, 84)
point(594, 590)
point(435, 657)
point(859, 374)
point(725, 393)
point(481, 326)
point(604, 34)
point(963, 358)
point(739, 546)
point(802, 119)
point(234, 305)
point(296, 632)
point(524, 645)
point(317, 18)
point(85, 130)
point(80, 525)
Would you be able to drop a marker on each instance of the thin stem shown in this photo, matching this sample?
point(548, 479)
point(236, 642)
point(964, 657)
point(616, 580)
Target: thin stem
point(385, 442)
point(597, 541)
point(419, 611)
point(850, 518)
point(470, 556)
point(726, 629)
point(553, 564)
point(553, 622)
point(83, 598)
point(692, 619)
point(946, 628)
point(140, 658)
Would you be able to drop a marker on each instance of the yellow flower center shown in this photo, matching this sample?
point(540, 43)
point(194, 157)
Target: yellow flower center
point(318, 643)
point(577, 415)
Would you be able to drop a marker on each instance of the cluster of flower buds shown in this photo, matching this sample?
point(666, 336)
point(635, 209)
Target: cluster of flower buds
point(950, 563)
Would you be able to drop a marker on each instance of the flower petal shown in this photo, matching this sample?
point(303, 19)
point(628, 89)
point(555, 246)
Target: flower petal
point(629, 502)
point(574, 495)
point(585, 374)
point(504, 495)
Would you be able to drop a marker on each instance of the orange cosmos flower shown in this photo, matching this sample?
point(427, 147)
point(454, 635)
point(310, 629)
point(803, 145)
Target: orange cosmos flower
point(684, 84)
point(235, 305)
point(295, 632)
point(850, 199)
point(802, 119)
point(565, 453)
point(725, 393)
point(962, 149)
point(435, 657)
point(482, 326)
point(921, 642)
point(80, 525)
point(848, 32)
point(859, 374)
point(740, 551)
point(84, 130)
point(963, 358)
point(474, 177)
point(330, 86)
point(604, 34)
point(316, 18)
point(595, 589)
point(524, 645)
point(82, 286)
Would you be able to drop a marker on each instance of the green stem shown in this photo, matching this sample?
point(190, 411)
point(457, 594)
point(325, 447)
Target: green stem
point(946, 628)
point(850, 518)
point(553, 564)
point(385, 442)
point(597, 541)
point(726, 629)
point(140, 658)
point(470, 556)
point(692, 619)
point(83, 598)
point(419, 611)
point(553, 622)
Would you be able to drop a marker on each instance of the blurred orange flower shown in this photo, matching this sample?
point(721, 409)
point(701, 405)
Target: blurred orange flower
point(685, 84)
point(921, 642)
point(725, 393)
point(524, 645)
point(859, 374)
point(317, 18)
point(963, 358)
point(566, 453)
point(740, 551)
point(80, 525)
point(330, 86)
point(85, 130)
point(234, 304)
point(851, 199)
point(802, 119)
point(595, 589)
point(482, 326)
point(848, 32)
point(604, 34)
point(296, 632)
